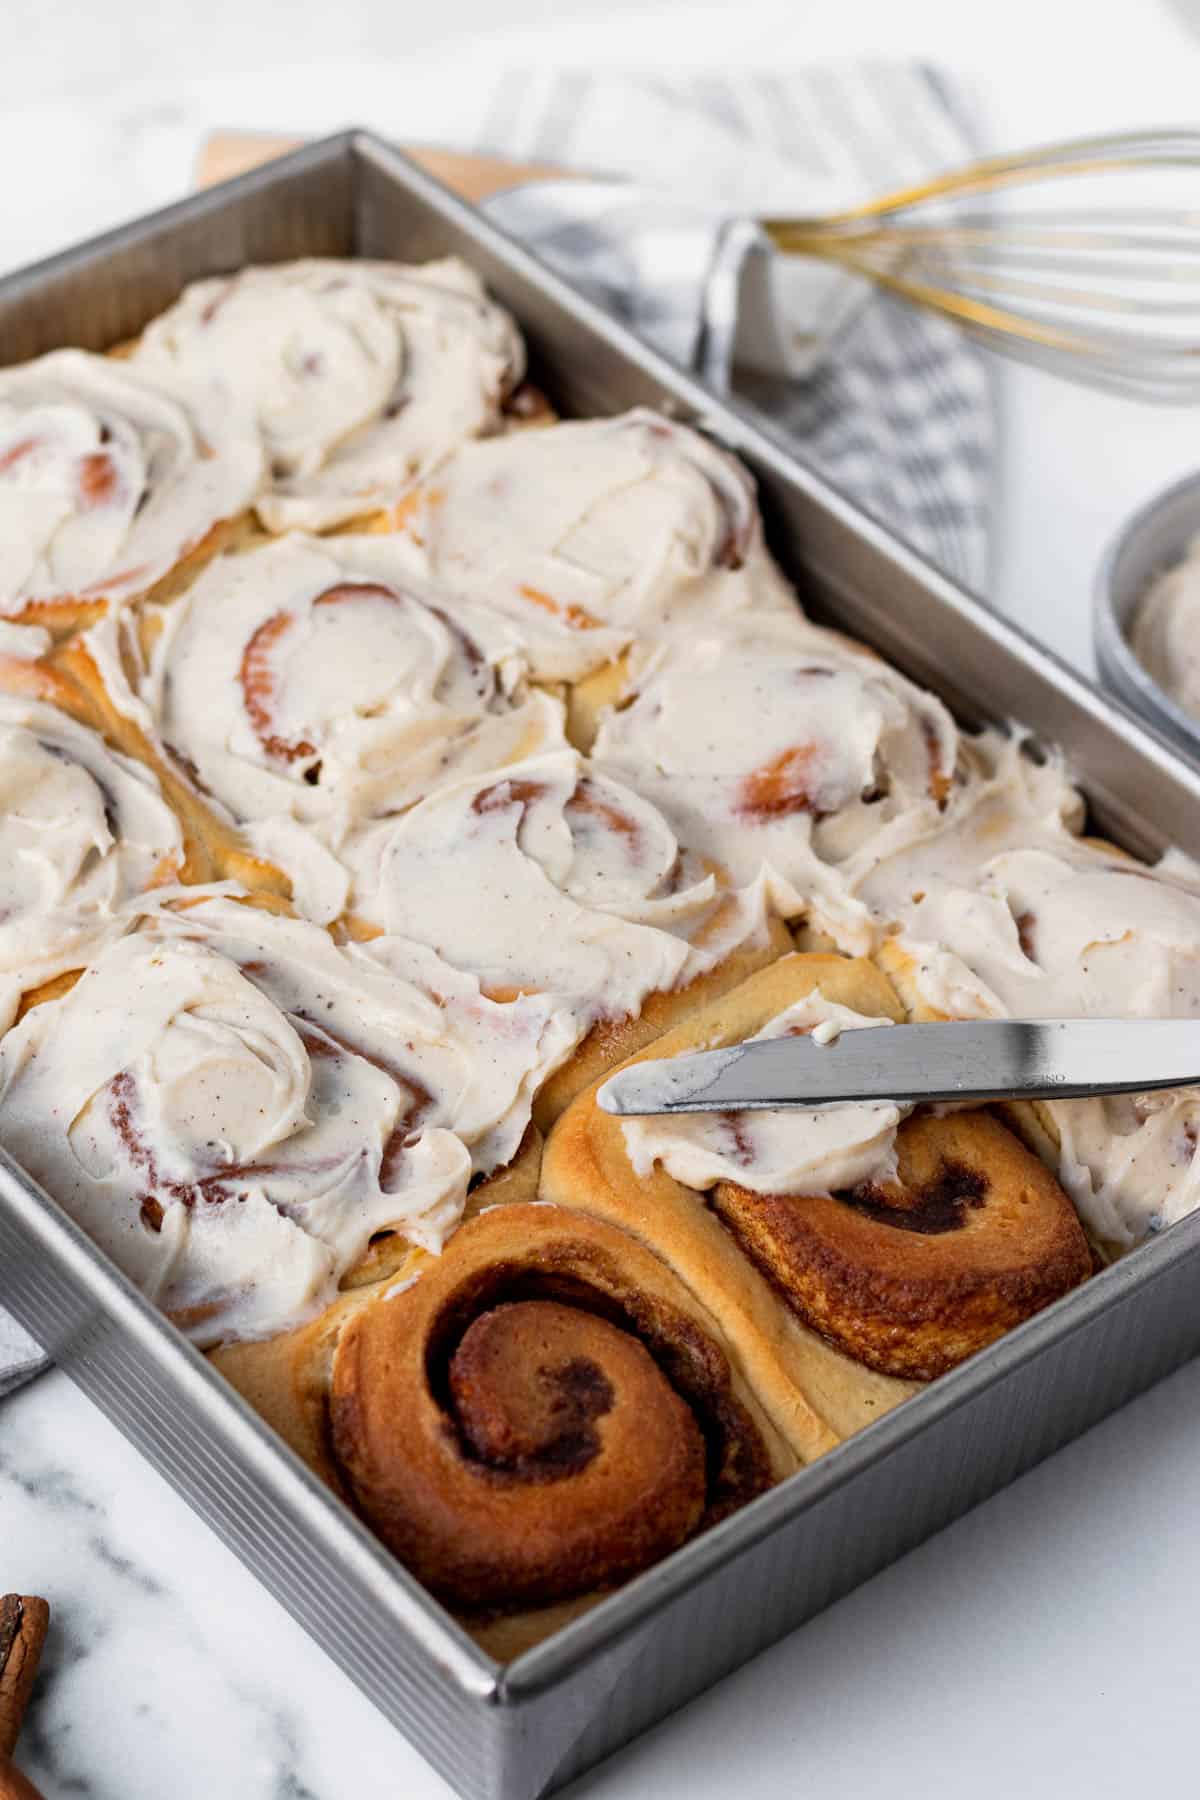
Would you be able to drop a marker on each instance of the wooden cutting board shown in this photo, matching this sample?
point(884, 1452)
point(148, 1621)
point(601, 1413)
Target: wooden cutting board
point(228, 153)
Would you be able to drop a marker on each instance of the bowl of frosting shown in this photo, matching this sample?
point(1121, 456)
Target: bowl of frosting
point(1147, 614)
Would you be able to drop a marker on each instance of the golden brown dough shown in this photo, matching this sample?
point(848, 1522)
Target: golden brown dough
point(814, 1395)
point(544, 1413)
point(910, 1276)
point(612, 1041)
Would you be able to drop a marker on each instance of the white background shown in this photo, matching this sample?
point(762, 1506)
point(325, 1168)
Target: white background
point(1046, 1645)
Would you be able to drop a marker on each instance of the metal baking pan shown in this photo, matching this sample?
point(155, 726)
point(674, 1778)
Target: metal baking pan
point(516, 1731)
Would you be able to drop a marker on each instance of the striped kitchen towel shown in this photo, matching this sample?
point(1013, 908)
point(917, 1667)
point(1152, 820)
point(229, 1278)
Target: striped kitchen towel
point(891, 405)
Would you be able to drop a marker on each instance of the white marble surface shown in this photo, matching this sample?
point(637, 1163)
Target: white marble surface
point(1045, 1643)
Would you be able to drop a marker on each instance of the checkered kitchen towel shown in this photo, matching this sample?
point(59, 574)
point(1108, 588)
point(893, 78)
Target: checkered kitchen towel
point(893, 407)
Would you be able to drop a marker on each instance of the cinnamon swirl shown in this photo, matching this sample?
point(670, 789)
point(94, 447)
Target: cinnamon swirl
point(313, 684)
point(586, 533)
point(544, 1412)
point(112, 484)
point(547, 878)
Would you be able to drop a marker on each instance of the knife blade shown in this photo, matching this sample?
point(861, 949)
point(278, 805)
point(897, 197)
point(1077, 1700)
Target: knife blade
point(978, 1059)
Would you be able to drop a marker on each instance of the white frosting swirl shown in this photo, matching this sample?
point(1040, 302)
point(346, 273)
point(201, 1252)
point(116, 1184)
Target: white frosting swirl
point(108, 478)
point(313, 681)
point(1006, 913)
point(819, 1150)
point(1129, 1161)
point(1166, 631)
point(584, 533)
point(780, 751)
point(83, 831)
point(360, 376)
point(232, 1106)
point(23, 643)
point(548, 878)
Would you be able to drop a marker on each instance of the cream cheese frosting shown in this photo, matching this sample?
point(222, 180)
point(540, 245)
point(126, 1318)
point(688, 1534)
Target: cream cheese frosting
point(1166, 631)
point(1008, 914)
point(360, 376)
point(109, 477)
point(23, 643)
point(780, 750)
point(84, 831)
point(550, 878)
point(315, 681)
point(587, 533)
point(818, 1150)
point(232, 1106)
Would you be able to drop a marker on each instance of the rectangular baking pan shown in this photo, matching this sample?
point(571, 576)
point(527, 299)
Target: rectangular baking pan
point(516, 1731)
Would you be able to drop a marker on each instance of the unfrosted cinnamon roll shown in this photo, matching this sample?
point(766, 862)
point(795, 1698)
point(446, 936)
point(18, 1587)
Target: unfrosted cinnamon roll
point(359, 376)
point(544, 1413)
point(587, 533)
point(112, 484)
point(905, 1243)
point(541, 1413)
point(233, 1106)
point(785, 753)
point(912, 1271)
point(548, 878)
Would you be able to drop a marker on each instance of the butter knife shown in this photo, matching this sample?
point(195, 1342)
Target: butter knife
point(979, 1059)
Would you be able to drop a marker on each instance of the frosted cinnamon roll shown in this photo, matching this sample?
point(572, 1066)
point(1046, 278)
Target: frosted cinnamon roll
point(549, 878)
point(111, 484)
point(84, 833)
point(585, 533)
point(544, 1412)
point(359, 376)
point(897, 1245)
point(783, 752)
point(233, 1107)
point(313, 682)
point(1064, 928)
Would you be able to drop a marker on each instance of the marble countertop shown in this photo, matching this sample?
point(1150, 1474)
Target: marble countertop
point(1045, 1642)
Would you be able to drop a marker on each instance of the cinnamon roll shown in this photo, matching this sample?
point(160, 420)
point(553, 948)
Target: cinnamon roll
point(1055, 926)
point(112, 483)
point(545, 1411)
point(359, 377)
point(84, 834)
point(903, 1243)
point(785, 753)
point(311, 683)
point(548, 878)
point(234, 1107)
point(586, 533)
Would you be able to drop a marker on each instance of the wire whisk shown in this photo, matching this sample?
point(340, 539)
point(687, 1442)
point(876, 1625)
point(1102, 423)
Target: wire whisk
point(1103, 293)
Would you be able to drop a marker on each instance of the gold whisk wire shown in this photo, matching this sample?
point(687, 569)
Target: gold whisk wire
point(1104, 294)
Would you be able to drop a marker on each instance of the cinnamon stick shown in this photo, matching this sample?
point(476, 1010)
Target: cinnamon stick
point(23, 1622)
point(15, 1786)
